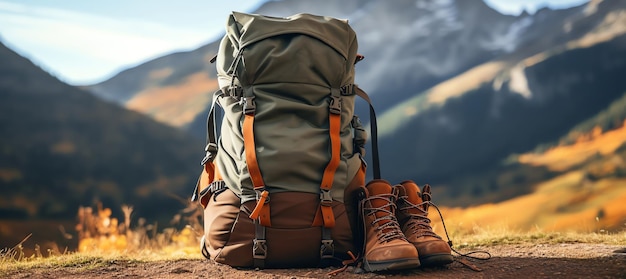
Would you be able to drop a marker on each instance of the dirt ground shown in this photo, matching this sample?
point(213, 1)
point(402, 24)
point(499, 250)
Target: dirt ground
point(574, 260)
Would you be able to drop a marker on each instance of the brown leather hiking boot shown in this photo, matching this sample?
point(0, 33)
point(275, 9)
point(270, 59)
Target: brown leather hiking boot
point(386, 248)
point(413, 217)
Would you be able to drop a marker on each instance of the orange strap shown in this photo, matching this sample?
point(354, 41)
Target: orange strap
point(335, 148)
point(207, 176)
point(257, 209)
point(262, 208)
point(326, 209)
point(217, 175)
point(324, 216)
point(250, 148)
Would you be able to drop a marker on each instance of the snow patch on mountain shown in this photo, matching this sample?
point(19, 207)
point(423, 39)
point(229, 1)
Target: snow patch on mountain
point(442, 16)
point(509, 40)
point(519, 83)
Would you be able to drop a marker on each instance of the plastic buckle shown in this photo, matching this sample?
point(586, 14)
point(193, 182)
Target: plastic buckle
point(347, 90)
point(249, 107)
point(217, 186)
point(325, 198)
point(211, 150)
point(356, 122)
point(259, 249)
point(211, 147)
point(209, 157)
point(327, 249)
point(335, 105)
point(235, 92)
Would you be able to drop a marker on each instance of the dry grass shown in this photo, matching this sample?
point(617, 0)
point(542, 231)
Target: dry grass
point(485, 237)
point(103, 239)
point(89, 260)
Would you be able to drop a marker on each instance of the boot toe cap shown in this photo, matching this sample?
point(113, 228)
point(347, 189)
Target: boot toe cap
point(434, 252)
point(393, 250)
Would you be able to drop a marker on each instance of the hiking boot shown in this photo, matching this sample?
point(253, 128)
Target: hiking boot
point(386, 248)
point(412, 215)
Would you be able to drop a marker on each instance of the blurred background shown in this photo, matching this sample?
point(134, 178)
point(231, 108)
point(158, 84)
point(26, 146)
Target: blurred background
point(512, 110)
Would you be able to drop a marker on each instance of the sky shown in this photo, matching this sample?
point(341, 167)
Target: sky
point(83, 42)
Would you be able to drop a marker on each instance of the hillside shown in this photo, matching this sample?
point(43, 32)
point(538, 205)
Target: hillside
point(61, 147)
point(480, 127)
point(583, 192)
point(174, 89)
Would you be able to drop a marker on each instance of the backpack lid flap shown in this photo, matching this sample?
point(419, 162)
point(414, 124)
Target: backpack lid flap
point(246, 29)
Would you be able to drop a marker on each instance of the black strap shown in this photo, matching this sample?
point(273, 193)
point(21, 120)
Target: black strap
point(211, 140)
point(211, 120)
point(259, 245)
point(373, 130)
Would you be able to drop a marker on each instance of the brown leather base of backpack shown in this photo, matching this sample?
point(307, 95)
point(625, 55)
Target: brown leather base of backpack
point(291, 241)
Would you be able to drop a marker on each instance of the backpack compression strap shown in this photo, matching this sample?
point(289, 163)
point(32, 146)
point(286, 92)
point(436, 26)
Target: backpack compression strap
point(325, 216)
point(261, 212)
point(262, 208)
point(325, 213)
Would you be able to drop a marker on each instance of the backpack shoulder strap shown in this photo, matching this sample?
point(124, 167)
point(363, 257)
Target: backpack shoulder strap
point(373, 131)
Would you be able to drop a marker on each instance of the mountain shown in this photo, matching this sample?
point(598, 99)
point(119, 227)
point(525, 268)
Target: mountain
point(61, 147)
point(173, 89)
point(459, 88)
point(512, 104)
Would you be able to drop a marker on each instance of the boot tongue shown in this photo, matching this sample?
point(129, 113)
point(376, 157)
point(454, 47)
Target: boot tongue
point(379, 187)
point(412, 191)
point(376, 188)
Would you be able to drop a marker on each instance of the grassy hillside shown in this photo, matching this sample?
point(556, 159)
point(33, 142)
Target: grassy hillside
point(581, 200)
point(577, 184)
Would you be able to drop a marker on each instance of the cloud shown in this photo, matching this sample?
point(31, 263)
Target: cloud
point(515, 7)
point(68, 39)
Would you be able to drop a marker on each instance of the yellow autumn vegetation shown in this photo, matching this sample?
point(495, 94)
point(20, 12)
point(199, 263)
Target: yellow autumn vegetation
point(587, 196)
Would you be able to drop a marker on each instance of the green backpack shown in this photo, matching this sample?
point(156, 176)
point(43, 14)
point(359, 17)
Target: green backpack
point(277, 184)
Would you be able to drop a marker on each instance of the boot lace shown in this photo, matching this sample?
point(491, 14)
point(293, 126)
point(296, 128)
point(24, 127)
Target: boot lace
point(418, 223)
point(462, 257)
point(390, 229)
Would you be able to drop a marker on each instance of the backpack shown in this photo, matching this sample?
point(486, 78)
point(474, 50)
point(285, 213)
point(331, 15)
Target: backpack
point(277, 184)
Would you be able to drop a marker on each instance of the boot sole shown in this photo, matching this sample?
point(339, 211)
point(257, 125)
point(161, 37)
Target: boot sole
point(436, 260)
point(399, 264)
